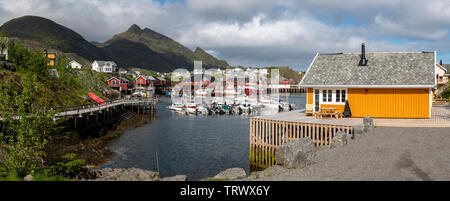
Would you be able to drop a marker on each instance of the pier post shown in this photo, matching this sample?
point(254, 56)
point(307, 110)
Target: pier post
point(75, 122)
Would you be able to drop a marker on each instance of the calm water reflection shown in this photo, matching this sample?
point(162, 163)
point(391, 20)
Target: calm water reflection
point(197, 146)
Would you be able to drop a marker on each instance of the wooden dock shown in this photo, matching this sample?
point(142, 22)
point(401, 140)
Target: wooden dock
point(92, 108)
point(89, 114)
point(269, 132)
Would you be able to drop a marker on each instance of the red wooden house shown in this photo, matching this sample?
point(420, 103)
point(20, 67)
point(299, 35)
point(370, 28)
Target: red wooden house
point(121, 84)
point(144, 81)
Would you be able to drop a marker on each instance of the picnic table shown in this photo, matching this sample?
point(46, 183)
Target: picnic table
point(328, 112)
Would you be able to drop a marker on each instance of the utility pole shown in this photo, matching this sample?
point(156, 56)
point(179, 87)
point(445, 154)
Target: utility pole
point(46, 80)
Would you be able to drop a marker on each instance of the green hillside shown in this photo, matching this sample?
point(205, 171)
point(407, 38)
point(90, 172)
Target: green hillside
point(288, 73)
point(208, 60)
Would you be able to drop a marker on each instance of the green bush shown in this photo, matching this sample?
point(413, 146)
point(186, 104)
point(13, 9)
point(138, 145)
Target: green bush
point(69, 166)
point(446, 93)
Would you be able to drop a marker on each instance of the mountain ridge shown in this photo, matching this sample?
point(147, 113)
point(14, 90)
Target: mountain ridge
point(136, 47)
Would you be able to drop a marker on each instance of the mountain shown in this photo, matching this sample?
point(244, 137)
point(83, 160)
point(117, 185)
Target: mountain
point(208, 60)
point(128, 53)
point(142, 48)
point(43, 33)
point(172, 51)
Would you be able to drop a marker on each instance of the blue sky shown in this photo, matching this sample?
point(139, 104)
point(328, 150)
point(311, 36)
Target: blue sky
point(259, 32)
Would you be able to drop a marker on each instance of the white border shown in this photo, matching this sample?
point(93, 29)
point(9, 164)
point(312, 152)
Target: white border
point(369, 86)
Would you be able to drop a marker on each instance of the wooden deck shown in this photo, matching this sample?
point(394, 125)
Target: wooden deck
point(440, 117)
point(300, 116)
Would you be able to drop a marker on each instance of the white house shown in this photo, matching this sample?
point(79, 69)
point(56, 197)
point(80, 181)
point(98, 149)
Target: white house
point(4, 46)
point(440, 74)
point(74, 64)
point(104, 66)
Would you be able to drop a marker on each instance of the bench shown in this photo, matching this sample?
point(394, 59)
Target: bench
point(335, 114)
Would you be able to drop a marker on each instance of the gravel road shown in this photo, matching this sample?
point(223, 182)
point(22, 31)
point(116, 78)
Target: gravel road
point(383, 154)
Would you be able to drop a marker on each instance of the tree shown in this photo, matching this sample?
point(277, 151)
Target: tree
point(27, 61)
point(24, 138)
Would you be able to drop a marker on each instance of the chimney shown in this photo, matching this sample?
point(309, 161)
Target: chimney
point(440, 62)
point(363, 61)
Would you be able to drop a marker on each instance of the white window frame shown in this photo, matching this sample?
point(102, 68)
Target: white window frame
point(333, 96)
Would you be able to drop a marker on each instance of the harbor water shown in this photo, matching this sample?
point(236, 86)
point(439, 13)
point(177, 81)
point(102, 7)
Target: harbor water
point(197, 146)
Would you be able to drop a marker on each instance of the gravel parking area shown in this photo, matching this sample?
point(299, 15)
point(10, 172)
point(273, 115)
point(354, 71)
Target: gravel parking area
point(383, 154)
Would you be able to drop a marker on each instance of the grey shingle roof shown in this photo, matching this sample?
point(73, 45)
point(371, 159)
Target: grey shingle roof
point(383, 68)
point(446, 66)
point(102, 63)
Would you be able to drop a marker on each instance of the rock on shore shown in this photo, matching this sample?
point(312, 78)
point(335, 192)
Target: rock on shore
point(231, 174)
point(133, 174)
point(297, 153)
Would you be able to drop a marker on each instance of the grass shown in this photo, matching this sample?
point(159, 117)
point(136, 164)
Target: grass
point(36, 177)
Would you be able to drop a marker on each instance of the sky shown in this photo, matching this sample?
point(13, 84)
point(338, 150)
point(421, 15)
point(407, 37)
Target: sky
point(259, 33)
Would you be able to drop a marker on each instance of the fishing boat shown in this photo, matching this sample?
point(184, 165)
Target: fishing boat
point(200, 92)
point(191, 111)
point(176, 107)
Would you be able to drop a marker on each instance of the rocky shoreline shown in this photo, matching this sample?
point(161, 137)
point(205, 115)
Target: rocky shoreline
point(95, 150)
point(131, 174)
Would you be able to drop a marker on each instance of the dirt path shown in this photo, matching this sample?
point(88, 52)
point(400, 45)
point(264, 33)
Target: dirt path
point(384, 154)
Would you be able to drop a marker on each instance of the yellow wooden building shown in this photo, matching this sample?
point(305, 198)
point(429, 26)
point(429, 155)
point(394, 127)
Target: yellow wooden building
point(378, 84)
point(51, 58)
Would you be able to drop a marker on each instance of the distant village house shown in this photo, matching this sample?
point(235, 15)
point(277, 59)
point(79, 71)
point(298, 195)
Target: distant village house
point(104, 66)
point(121, 84)
point(4, 48)
point(74, 65)
point(51, 58)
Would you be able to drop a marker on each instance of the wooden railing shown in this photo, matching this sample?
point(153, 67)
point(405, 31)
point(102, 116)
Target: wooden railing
point(267, 135)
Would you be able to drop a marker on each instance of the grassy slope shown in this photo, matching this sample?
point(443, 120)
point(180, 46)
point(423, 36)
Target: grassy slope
point(208, 60)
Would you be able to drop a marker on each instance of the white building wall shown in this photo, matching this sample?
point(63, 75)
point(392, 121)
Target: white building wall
point(95, 66)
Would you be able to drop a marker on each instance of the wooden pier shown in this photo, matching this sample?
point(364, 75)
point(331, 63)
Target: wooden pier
point(269, 132)
point(292, 90)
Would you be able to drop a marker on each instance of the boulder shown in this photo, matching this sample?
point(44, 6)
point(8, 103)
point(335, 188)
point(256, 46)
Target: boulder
point(368, 124)
point(175, 178)
point(339, 140)
point(29, 177)
point(232, 174)
point(130, 174)
point(358, 130)
point(297, 153)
